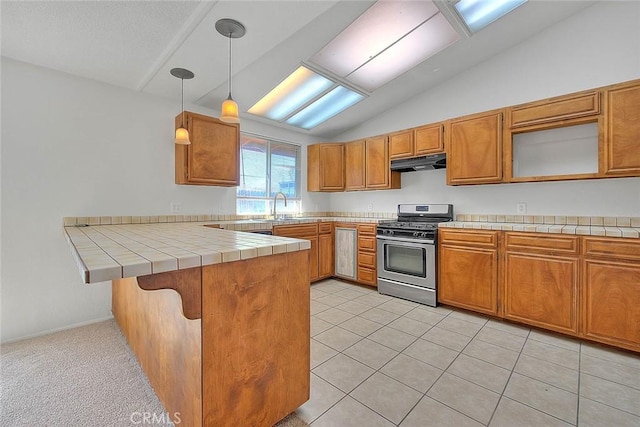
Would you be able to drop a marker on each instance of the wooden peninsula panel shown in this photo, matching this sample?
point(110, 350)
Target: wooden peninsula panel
point(246, 361)
point(166, 344)
point(255, 339)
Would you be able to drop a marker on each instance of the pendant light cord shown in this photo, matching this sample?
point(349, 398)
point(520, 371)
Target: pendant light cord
point(230, 65)
point(182, 98)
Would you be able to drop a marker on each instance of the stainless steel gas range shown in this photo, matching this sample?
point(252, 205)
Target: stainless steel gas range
point(407, 265)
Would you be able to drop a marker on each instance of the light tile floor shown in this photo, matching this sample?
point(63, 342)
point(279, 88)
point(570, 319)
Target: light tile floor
point(382, 361)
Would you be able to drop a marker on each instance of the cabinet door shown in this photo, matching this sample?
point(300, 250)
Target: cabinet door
point(213, 156)
point(542, 290)
point(331, 167)
point(313, 259)
point(376, 162)
point(325, 255)
point(611, 303)
point(475, 149)
point(622, 130)
point(354, 165)
point(429, 140)
point(401, 144)
point(345, 252)
point(468, 278)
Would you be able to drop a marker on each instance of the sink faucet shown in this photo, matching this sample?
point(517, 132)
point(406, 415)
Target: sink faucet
point(275, 202)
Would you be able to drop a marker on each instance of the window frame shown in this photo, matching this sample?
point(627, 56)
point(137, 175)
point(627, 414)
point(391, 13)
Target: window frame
point(269, 199)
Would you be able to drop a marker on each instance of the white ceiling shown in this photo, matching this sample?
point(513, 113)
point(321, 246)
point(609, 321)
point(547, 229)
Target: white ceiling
point(134, 44)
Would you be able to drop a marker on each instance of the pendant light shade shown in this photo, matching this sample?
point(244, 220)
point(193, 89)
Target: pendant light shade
point(233, 30)
point(182, 134)
point(229, 111)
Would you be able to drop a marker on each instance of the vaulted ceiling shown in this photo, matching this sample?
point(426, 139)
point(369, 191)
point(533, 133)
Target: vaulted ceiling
point(134, 44)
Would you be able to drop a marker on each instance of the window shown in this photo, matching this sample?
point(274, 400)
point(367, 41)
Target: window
point(266, 168)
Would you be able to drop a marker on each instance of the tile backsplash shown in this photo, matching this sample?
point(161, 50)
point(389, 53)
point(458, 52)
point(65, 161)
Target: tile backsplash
point(606, 221)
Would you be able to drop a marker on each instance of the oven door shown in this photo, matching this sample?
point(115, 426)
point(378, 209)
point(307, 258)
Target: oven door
point(405, 260)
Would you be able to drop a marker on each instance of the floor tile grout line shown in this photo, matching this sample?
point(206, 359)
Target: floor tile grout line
point(485, 325)
point(506, 384)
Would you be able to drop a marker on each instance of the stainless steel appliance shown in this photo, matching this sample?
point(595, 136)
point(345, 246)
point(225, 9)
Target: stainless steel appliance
point(407, 252)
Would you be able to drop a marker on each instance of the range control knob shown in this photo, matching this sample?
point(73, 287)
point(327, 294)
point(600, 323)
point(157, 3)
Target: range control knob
point(416, 234)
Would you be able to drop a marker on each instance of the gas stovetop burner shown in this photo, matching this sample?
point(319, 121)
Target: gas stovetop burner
point(416, 221)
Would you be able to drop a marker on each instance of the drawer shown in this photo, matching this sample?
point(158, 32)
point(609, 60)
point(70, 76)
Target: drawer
point(325, 227)
point(367, 229)
point(303, 230)
point(468, 237)
point(542, 242)
point(612, 248)
point(557, 109)
point(367, 276)
point(346, 225)
point(367, 259)
point(366, 243)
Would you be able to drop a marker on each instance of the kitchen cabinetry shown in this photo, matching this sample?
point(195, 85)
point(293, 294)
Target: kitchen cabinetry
point(346, 241)
point(468, 269)
point(622, 124)
point(541, 280)
point(325, 250)
point(213, 156)
point(586, 286)
point(377, 165)
point(325, 167)
point(610, 292)
point(417, 142)
point(474, 149)
point(367, 273)
point(354, 158)
point(367, 165)
point(307, 232)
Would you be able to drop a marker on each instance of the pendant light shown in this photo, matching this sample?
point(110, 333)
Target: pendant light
point(233, 30)
point(182, 134)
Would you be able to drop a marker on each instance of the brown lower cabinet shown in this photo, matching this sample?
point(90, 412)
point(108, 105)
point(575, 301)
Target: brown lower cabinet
point(588, 287)
point(367, 273)
point(321, 253)
point(541, 281)
point(468, 270)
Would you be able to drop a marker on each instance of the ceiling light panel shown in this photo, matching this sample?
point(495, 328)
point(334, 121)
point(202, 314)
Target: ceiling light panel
point(379, 27)
point(334, 102)
point(299, 88)
point(427, 40)
point(477, 14)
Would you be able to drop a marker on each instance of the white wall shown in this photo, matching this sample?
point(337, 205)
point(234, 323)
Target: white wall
point(597, 47)
point(76, 147)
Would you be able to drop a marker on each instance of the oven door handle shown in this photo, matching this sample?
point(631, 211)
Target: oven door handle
point(403, 239)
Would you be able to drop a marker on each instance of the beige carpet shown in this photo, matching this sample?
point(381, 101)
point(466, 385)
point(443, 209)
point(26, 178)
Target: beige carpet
point(85, 376)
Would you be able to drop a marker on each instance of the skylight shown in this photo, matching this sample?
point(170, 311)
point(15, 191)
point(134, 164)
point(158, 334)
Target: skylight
point(305, 99)
point(477, 14)
point(387, 40)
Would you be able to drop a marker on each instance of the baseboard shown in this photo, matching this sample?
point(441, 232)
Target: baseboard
point(64, 328)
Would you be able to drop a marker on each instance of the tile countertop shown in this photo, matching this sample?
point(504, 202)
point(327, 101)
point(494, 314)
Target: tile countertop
point(107, 252)
point(584, 230)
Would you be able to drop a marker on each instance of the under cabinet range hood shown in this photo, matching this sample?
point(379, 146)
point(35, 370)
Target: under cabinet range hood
point(434, 161)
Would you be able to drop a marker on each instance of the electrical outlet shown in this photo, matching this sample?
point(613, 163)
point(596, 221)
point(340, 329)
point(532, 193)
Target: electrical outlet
point(370, 207)
point(175, 207)
point(521, 208)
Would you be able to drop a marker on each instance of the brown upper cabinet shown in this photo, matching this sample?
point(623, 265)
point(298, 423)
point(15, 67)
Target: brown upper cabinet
point(417, 142)
point(366, 165)
point(213, 156)
point(325, 167)
point(553, 139)
point(378, 173)
point(554, 109)
point(354, 159)
point(622, 124)
point(474, 149)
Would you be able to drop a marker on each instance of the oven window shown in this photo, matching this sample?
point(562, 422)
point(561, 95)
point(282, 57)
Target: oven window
point(405, 260)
